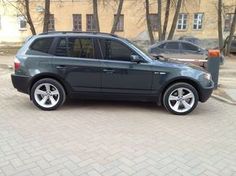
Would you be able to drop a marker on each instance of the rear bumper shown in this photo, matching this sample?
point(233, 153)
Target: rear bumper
point(20, 83)
point(205, 92)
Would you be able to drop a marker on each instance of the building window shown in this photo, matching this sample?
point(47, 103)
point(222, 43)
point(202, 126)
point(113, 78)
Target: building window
point(77, 22)
point(90, 22)
point(182, 21)
point(51, 23)
point(22, 22)
point(228, 21)
point(120, 24)
point(198, 20)
point(154, 21)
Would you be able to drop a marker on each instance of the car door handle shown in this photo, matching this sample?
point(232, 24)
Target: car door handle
point(60, 66)
point(108, 70)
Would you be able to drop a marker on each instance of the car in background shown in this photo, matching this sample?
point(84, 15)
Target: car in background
point(180, 50)
point(191, 39)
point(233, 45)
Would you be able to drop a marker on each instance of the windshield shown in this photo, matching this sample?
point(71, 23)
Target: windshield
point(141, 49)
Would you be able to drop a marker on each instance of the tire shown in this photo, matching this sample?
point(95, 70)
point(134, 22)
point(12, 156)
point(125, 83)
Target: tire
point(48, 94)
point(180, 103)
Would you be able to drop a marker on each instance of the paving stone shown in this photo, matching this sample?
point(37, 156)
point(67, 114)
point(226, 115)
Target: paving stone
point(92, 138)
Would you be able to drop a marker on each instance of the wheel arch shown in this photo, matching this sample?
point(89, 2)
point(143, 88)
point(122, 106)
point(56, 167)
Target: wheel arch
point(178, 80)
point(48, 75)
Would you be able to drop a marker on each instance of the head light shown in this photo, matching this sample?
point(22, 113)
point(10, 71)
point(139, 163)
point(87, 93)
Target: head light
point(207, 76)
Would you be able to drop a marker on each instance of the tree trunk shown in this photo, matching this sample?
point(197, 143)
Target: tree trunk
point(95, 14)
point(173, 26)
point(159, 19)
point(29, 19)
point(46, 15)
point(166, 19)
point(149, 27)
point(232, 30)
point(220, 30)
point(117, 17)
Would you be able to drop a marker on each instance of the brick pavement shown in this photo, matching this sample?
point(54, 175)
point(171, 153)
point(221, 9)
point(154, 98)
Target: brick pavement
point(93, 138)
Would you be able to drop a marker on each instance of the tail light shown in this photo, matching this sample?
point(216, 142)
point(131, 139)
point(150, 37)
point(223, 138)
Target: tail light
point(16, 64)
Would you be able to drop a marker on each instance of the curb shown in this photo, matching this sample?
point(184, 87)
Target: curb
point(5, 66)
point(217, 97)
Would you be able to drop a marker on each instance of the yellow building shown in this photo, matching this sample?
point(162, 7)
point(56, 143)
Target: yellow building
point(197, 18)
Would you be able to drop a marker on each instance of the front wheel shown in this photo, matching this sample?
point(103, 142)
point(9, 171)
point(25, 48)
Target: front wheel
point(48, 94)
point(180, 98)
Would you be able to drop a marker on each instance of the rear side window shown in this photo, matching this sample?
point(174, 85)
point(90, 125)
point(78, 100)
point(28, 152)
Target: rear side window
point(42, 45)
point(114, 50)
point(172, 45)
point(81, 47)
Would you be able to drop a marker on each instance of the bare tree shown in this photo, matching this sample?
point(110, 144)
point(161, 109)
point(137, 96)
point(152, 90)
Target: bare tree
point(173, 26)
point(149, 27)
point(46, 15)
point(220, 30)
point(167, 13)
point(117, 17)
point(95, 15)
point(232, 30)
point(159, 2)
point(22, 6)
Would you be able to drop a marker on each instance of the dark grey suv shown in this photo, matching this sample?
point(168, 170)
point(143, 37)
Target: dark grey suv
point(51, 67)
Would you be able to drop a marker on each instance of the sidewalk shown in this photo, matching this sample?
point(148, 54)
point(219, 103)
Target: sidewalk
point(227, 81)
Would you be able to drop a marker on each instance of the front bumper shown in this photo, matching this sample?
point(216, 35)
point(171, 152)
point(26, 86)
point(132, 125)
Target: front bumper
point(20, 82)
point(205, 92)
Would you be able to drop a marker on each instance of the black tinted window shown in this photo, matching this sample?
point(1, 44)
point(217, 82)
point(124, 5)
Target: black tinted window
point(42, 45)
point(61, 49)
point(113, 50)
point(172, 45)
point(81, 47)
point(188, 46)
point(162, 46)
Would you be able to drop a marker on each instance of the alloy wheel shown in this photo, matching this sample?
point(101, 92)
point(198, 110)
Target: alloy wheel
point(46, 95)
point(181, 100)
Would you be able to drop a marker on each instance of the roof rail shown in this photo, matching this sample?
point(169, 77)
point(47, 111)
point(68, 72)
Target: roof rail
point(77, 32)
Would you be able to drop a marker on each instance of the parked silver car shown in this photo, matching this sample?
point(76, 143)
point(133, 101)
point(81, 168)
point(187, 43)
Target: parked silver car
point(180, 50)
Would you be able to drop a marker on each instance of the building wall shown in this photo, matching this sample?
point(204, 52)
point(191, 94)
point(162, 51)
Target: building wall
point(134, 18)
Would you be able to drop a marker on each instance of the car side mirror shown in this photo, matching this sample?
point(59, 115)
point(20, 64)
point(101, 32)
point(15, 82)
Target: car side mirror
point(136, 58)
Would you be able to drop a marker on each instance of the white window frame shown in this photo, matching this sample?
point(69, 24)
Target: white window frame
point(198, 21)
point(182, 21)
point(19, 19)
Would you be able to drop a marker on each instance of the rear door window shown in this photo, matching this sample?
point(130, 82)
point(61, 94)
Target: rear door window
point(42, 45)
point(61, 48)
point(81, 47)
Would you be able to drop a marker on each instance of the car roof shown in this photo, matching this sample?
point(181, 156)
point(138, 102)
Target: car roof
point(72, 33)
point(171, 41)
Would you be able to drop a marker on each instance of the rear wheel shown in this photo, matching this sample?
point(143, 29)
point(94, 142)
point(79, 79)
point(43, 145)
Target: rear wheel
point(48, 94)
point(180, 98)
